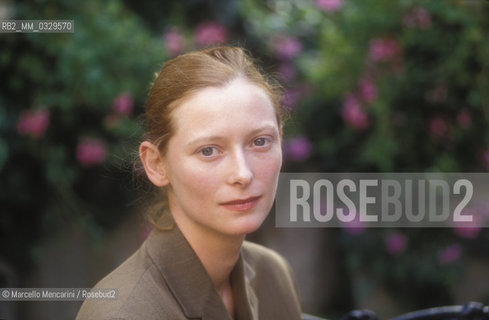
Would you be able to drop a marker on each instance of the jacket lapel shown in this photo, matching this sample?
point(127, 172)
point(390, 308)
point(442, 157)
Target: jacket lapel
point(185, 275)
point(249, 275)
point(246, 302)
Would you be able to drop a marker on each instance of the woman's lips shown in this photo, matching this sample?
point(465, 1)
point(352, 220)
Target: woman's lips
point(241, 204)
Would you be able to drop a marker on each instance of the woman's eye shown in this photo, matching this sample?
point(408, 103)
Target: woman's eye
point(207, 151)
point(260, 142)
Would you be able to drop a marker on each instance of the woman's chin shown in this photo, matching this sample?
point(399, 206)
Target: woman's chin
point(246, 225)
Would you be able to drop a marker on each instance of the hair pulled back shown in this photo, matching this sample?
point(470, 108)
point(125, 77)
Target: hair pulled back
point(187, 73)
point(183, 76)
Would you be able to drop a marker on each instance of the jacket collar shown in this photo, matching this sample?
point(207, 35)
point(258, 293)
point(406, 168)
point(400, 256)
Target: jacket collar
point(242, 279)
point(191, 285)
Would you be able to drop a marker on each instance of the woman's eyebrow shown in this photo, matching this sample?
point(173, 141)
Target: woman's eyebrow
point(265, 127)
point(207, 138)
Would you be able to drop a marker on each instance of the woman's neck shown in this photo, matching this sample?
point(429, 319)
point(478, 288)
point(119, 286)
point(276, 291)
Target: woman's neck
point(217, 252)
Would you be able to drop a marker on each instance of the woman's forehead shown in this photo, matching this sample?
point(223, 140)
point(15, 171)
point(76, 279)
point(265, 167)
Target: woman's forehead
point(237, 100)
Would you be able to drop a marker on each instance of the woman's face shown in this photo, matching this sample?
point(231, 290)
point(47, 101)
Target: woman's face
point(223, 162)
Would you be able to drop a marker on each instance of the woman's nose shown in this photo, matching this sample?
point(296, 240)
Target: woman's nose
point(241, 173)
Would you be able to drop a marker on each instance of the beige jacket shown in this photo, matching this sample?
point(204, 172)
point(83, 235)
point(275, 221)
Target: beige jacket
point(165, 280)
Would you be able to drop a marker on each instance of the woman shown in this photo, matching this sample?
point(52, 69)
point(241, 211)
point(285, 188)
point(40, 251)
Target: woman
point(213, 145)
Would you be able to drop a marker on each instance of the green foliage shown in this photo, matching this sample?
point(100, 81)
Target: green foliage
point(372, 85)
point(74, 79)
point(393, 86)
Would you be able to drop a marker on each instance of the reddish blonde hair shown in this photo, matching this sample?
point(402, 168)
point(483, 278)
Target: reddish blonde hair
point(183, 76)
point(192, 71)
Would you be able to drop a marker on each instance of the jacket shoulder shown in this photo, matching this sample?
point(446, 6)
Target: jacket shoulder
point(274, 282)
point(256, 254)
point(260, 257)
point(269, 265)
point(137, 284)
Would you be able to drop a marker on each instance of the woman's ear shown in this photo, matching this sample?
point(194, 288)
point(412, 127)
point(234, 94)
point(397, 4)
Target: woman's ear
point(153, 164)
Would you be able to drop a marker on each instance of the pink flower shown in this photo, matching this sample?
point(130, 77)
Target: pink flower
point(467, 232)
point(33, 122)
point(438, 127)
point(395, 243)
point(123, 104)
point(210, 33)
point(329, 5)
point(417, 17)
point(90, 152)
point(353, 113)
point(174, 41)
point(354, 227)
point(298, 148)
point(367, 89)
point(287, 71)
point(470, 229)
point(464, 119)
point(450, 254)
point(287, 47)
point(290, 98)
point(385, 49)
